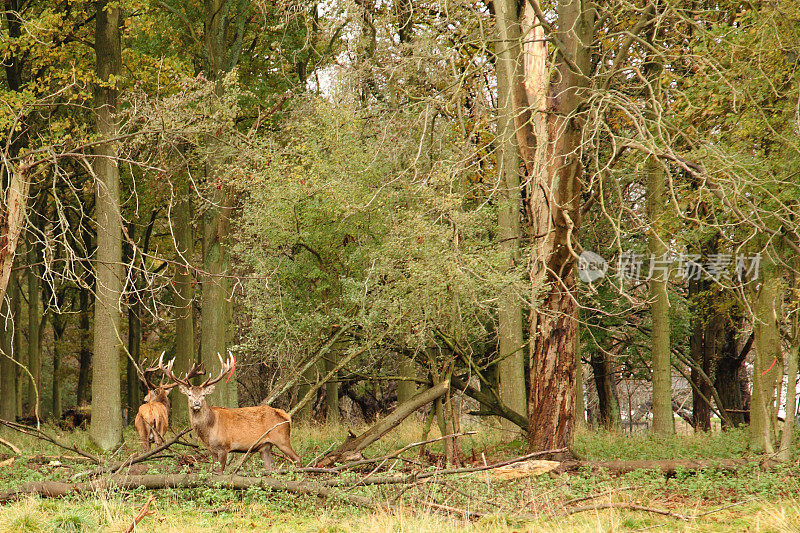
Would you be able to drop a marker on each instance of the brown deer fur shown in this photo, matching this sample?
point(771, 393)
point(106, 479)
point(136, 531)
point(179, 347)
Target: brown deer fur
point(224, 430)
point(153, 417)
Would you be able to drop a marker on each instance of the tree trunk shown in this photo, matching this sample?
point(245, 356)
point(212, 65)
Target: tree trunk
point(59, 323)
point(106, 425)
point(19, 376)
point(34, 323)
point(85, 355)
point(133, 389)
point(607, 403)
point(216, 304)
point(555, 199)
point(767, 363)
point(8, 369)
point(580, 400)
point(663, 420)
point(184, 301)
point(332, 387)
point(510, 345)
point(727, 377)
point(406, 369)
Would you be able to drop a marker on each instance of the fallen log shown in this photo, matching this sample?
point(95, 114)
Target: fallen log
point(352, 447)
point(56, 489)
point(665, 466)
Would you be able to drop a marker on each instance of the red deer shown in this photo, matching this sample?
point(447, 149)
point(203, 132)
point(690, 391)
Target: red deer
point(223, 430)
point(152, 419)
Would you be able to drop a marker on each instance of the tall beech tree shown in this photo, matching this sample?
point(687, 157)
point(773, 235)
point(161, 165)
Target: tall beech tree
point(106, 426)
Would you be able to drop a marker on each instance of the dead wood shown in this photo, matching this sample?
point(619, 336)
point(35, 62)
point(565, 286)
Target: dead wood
point(144, 511)
point(628, 506)
point(665, 466)
point(116, 467)
point(55, 489)
point(413, 477)
point(352, 447)
point(13, 448)
point(39, 434)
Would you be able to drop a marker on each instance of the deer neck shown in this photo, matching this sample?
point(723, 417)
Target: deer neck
point(202, 420)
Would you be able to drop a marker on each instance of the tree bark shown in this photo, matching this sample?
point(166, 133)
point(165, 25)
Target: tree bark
point(34, 323)
point(728, 377)
point(85, 354)
point(8, 368)
point(406, 389)
point(106, 426)
point(510, 344)
point(59, 324)
point(184, 301)
point(332, 387)
point(216, 304)
point(133, 389)
point(555, 200)
point(663, 420)
point(607, 403)
point(767, 363)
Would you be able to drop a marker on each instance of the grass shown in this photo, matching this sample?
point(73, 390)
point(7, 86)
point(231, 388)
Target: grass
point(750, 499)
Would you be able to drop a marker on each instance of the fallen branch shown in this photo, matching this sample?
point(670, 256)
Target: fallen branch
point(666, 467)
point(144, 511)
point(39, 434)
point(55, 489)
point(627, 506)
point(353, 446)
point(384, 458)
point(116, 467)
point(13, 448)
point(419, 476)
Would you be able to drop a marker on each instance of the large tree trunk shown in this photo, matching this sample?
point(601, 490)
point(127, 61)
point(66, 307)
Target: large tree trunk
point(59, 324)
point(106, 425)
point(607, 403)
point(216, 304)
point(728, 378)
point(663, 420)
point(184, 301)
point(85, 354)
point(555, 199)
point(787, 436)
point(8, 368)
point(133, 389)
point(510, 349)
point(34, 323)
point(768, 363)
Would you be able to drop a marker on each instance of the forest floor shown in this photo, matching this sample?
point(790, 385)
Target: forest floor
point(750, 498)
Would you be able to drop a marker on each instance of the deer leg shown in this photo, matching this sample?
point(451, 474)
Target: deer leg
point(144, 438)
point(222, 458)
point(266, 456)
point(290, 453)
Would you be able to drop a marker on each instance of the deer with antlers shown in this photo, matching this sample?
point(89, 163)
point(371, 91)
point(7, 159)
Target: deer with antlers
point(223, 430)
point(152, 419)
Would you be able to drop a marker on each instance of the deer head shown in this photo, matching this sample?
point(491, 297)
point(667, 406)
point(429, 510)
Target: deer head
point(196, 394)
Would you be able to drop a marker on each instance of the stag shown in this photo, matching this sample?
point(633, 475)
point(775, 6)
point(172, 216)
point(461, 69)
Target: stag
point(223, 430)
point(152, 419)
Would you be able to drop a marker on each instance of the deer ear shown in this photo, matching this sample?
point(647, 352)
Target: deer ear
point(167, 391)
point(209, 389)
point(184, 389)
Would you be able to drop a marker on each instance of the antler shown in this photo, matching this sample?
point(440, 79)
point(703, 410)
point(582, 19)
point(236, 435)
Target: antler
point(144, 376)
point(226, 367)
point(196, 370)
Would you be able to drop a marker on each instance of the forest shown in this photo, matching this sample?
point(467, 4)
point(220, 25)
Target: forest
point(495, 264)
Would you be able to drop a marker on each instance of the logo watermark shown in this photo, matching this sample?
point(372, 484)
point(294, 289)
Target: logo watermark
point(634, 267)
